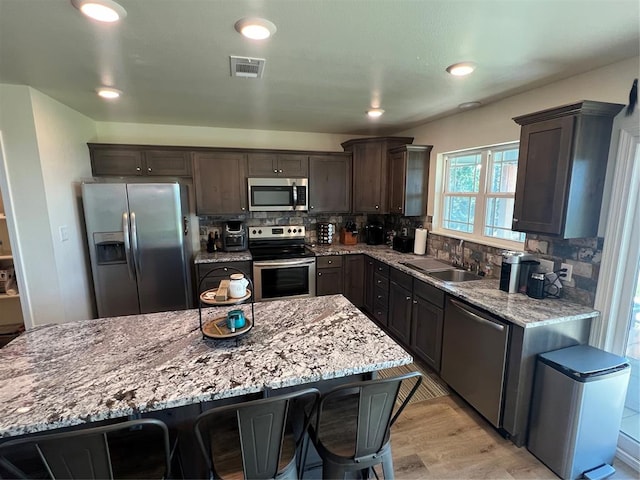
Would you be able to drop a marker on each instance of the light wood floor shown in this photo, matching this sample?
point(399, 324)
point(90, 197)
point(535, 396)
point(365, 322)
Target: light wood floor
point(444, 438)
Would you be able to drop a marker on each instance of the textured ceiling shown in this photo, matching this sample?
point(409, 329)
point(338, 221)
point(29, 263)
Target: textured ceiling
point(329, 61)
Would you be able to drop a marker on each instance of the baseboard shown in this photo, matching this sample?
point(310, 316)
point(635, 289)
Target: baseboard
point(628, 460)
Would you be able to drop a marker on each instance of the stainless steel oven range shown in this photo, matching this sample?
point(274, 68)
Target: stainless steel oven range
point(282, 266)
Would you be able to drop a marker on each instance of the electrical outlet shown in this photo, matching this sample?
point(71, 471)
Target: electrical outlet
point(545, 266)
point(568, 275)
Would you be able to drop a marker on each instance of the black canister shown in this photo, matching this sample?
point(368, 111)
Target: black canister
point(535, 285)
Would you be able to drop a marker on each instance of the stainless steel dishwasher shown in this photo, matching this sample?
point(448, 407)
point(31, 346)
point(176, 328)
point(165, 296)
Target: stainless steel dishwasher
point(474, 352)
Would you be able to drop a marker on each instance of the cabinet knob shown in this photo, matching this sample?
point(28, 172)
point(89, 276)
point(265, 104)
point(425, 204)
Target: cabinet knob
point(377, 207)
point(407, 298)
point(311, 207)
point(319, 274)
point(330, 261)
point(399, 208)
point(242, 209)
point(379, 297)
point(148, 169)
point(515, 220)
point(275, 170)
point(138, 169)
point(379, 282)
point(415, 301)
point(280, 171)
point(226, 269)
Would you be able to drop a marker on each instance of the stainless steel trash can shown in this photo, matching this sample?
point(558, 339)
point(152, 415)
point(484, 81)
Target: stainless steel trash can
point(578, 400)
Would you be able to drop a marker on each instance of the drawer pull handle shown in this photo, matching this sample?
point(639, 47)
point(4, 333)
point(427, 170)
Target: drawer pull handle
point(379, 297)
point(379, 282)
point(407, 298)
point(415, 301)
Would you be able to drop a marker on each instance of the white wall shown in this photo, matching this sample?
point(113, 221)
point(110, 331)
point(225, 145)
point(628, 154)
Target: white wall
point(44, 154)
point(62, 135)
point(493, 123)
point(148, 134)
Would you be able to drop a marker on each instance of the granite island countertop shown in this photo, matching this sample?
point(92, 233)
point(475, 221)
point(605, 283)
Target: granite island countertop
point(517, 308)
point(77, 372)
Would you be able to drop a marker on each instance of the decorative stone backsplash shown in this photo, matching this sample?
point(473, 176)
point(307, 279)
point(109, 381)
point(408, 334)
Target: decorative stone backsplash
point(260, 219)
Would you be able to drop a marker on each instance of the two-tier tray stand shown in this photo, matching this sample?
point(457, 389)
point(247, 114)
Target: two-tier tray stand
point(216, 328)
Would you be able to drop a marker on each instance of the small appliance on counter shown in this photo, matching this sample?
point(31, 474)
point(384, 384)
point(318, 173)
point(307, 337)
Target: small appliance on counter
point(403, 244)
point(325, 233)
point(514, 273)
point(234, 236)
point(374, 233)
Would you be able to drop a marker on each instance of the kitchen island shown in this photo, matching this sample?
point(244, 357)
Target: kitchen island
point(63, 375)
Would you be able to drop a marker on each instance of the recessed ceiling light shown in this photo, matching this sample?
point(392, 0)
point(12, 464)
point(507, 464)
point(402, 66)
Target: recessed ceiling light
point(375, 112)
point(100, 10)
point(255, 28)
point(108, 92)
point(468, 105)
point(461, 69)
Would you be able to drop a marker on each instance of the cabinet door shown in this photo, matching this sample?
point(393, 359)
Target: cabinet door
point(330, 183)
point(167, 162)
point(369, 286)
point(293, 165)
point(397, 172)
point(263, 165)
point(116, 161)
point(328, 281)
point(543, 173)
point(354, 279)
point(220, 182)
point(399, 321)
point(367, 178)
point(426, 331)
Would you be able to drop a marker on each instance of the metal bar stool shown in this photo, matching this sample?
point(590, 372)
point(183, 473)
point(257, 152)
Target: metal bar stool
point(351, 430)
point(88, 453)
point(265, 429)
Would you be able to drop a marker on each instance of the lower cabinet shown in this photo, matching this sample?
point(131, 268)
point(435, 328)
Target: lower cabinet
point(225, 269)
point(400, 297)
point(354, 279)
point(329, 275)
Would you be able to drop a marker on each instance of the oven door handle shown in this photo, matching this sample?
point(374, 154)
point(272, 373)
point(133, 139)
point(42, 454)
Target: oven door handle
point(283, 263)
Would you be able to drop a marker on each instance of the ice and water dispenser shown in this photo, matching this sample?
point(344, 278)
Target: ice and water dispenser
point(109, 247)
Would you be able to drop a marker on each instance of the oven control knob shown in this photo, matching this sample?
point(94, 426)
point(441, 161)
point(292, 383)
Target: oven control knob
point(290, 230)
point(253, 231)
point(259, 231)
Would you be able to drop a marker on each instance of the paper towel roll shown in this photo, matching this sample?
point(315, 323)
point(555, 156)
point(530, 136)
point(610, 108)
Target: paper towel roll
point(420, 244)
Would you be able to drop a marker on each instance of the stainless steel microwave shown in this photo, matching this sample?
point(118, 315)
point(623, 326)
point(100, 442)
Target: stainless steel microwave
point(278, 194)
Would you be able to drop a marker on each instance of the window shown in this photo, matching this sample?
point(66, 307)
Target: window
point(477, 196)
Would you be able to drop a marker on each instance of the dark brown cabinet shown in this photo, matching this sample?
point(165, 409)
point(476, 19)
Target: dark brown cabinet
point(330, 183)
point(561, 169)
point(370, 171)
point(400, 303)
point(223, 270)
point(220, 182)
point(270, 164)
point(380, 309)
point(409, 179)
point(354, 279)
point(329, 275)
point(427, 320)
point(139, 160)
point(369, 270)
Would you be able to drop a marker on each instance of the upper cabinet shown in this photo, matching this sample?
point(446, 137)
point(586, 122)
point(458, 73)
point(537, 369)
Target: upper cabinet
point(370, 169)
point(330, 183)
point(220, 182)
point(278, 165)
point(139, 160)
point(409, 179)
point(561, 169)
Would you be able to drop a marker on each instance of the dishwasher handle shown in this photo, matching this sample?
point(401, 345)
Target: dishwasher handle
point(476, 317)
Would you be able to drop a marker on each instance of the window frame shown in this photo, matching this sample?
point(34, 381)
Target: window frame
point(481, 197)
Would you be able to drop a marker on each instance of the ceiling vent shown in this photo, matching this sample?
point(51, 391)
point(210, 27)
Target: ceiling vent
point(247, 67)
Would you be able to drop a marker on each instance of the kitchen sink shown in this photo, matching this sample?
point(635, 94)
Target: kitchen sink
point(454, 275)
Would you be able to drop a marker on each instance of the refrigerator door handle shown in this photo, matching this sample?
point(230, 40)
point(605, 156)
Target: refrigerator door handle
point(127, 243)
point(134, 243)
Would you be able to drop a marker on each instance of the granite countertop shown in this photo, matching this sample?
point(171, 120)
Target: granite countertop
point(68, 374)
point(515, 307)
point(216, 257)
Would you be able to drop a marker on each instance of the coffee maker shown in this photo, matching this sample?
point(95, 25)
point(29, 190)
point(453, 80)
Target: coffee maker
point(374, 233)
point(234, 236)
point(515, 271)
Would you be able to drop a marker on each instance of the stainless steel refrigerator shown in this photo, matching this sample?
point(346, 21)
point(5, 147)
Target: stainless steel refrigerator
point(139, 246)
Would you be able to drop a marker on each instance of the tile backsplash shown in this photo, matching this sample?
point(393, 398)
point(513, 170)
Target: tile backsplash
point(583, 254)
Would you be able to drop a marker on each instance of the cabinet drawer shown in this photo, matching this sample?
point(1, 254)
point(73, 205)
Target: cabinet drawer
point(401, 278)
point(331, 261)
point(428, 292)
point(380, 282)
point(380, 313)
point(381, 268)
point(381, 296)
